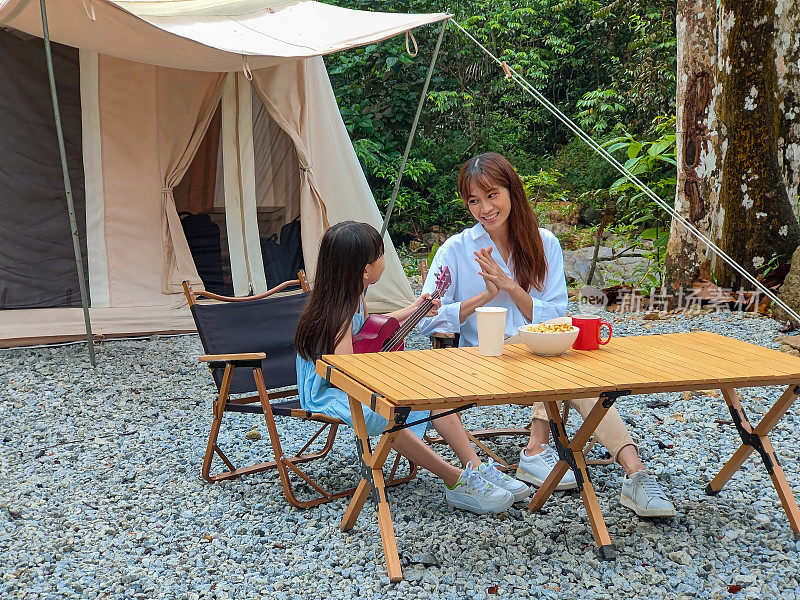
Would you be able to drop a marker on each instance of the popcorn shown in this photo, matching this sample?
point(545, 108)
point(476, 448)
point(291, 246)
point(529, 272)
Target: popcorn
point(550, 328)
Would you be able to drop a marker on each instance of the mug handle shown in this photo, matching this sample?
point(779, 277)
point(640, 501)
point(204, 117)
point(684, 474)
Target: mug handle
point(608, 339)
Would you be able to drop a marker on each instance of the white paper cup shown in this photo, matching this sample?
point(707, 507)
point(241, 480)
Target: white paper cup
point(491, 329)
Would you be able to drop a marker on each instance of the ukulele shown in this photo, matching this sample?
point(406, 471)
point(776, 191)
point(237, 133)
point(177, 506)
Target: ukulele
point(381, 333)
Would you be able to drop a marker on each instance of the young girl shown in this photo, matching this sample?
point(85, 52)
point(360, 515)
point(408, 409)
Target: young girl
point(506, 260)
point(351, 258)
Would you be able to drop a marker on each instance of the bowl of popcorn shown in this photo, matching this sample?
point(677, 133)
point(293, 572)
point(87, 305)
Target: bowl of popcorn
point(550, 338)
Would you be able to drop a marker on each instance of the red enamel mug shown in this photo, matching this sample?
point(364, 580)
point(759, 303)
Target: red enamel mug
point(589, 332)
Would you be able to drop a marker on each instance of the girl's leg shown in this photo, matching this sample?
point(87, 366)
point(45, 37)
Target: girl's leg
point(417, 451)
point(452, 431)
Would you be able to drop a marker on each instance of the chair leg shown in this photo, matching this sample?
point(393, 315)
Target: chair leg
point(211, 448)
point(216, 423)
point(412, 472)
point(285, 464)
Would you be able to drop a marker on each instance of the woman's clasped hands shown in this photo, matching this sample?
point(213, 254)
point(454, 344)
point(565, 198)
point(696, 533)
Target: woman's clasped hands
point(492, 273)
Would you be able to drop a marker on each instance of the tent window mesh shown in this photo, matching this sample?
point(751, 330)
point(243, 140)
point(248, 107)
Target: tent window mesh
point(37, 261)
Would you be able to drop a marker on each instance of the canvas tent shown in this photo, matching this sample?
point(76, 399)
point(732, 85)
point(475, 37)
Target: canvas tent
point(222, 108)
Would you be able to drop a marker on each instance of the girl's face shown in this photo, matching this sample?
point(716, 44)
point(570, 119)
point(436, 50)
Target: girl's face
point(490, 208)
point(374, 270)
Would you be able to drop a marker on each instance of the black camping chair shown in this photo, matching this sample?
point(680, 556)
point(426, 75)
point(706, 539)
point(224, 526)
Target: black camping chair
point(249, 343)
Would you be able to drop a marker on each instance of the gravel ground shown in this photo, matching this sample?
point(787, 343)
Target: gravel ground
point(101, 498)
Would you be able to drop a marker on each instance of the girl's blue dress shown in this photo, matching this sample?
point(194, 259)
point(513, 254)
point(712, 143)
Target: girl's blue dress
point(317, 395)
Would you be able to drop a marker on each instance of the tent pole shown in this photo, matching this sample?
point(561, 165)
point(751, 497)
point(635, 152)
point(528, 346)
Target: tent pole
point(67, 185)
point(422, 97)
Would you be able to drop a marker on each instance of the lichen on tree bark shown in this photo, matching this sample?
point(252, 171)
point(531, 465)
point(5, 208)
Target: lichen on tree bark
point(758, 220)
point(787, 50)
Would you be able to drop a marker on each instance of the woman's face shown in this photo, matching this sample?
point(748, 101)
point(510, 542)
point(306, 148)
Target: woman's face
point(374, 270)
point(490, 208)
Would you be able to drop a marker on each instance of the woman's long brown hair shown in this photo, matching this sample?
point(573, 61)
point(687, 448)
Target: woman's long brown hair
point(489, 170)
point(345, 250)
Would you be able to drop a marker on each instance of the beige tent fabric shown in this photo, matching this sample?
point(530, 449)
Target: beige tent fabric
point(152, 121)
point(195, 192)
point(209, 35)
point(185, 103)
point(300, 99)
point(93, 179)
point(131, 182)
point(54, 325)
point(241, 213)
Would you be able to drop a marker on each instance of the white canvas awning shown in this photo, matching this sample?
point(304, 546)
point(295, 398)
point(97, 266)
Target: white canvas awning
point(209, 35)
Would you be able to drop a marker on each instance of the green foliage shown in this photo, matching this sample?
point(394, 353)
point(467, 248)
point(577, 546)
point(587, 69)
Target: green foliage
point(544, 186)
point(584, 172)
point(653, 163)
point(602, 63)
point(432, 254)
point(769, 266)
point(601, 110)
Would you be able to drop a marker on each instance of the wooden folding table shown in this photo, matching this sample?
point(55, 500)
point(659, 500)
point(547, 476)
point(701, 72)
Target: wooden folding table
point(394, 383)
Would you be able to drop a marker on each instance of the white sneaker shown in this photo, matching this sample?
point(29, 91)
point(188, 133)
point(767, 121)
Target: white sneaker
point(495, 476)
point(535, 469)
point(642, 493)
point(473, 493)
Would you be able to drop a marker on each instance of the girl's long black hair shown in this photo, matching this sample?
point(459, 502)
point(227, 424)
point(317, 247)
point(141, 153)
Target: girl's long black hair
point(345, 250)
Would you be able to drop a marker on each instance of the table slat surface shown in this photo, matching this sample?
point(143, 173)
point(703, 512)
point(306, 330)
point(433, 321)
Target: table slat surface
point(635, 362)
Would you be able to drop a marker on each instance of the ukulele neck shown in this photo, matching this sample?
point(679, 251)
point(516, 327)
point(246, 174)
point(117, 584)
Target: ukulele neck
point(411, 321)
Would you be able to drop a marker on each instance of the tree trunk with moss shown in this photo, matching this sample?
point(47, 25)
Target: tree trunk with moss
point(758, 224)
point(744, 137)
point(697, 157)
point(787, 44)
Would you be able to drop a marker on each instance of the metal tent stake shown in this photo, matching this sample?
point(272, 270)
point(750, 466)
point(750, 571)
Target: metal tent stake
point(67, 185)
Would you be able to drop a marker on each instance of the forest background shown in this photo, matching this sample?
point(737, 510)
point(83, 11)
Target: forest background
point(610, 66)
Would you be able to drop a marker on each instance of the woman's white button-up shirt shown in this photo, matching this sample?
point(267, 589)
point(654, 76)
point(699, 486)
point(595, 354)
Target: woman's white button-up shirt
point(457, 253)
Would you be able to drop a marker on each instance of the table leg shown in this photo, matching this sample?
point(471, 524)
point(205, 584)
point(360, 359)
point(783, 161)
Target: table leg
point(575, 447)
point(549, 486)
point(356, 505)
point(373, 466)
point(755, 438)
point(785, 493)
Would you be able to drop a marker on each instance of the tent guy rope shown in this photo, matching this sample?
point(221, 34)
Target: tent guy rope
point(511, 74)
point(411, 133)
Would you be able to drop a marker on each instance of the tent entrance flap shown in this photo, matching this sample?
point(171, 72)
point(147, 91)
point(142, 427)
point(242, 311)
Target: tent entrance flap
point(200, 203)
point(239, 201)
point(277, 183)
point(37, 262)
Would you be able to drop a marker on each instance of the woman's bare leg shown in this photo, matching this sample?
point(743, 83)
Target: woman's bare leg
point(628, 458)
point(540, 434)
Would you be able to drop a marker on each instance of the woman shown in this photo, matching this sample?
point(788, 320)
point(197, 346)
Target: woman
point(506, 260)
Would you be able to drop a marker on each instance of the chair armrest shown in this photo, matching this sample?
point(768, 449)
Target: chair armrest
point(269, 292)
point(444, 339)
point(232, 357)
